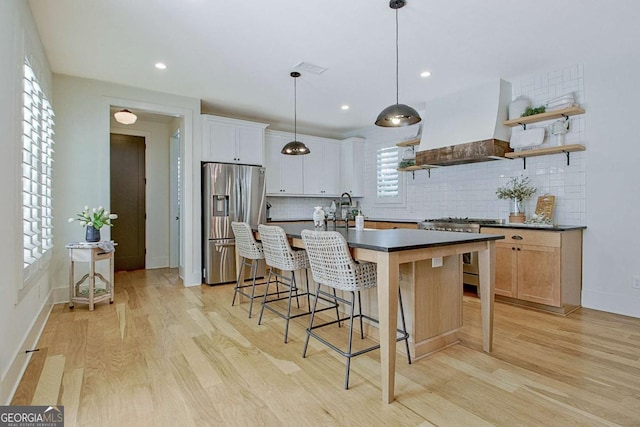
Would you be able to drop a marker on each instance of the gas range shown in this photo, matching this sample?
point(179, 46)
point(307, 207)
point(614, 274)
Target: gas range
point(468, 225)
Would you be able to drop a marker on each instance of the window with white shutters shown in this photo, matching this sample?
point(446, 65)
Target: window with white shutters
point(37, 165)
point(388, 189)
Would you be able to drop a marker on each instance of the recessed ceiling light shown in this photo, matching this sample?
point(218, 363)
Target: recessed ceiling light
point(161, 66)
point(345, 107)
point(425, 74)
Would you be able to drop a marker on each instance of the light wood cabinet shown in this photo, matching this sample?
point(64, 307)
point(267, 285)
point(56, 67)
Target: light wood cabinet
point(283, 173)
point(232, 141)
point(539, 268)
point(352, 166)
point(321, 167)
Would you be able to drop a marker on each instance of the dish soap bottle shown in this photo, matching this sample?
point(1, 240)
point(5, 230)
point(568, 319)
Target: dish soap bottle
point(318, 216)
point(359, 221)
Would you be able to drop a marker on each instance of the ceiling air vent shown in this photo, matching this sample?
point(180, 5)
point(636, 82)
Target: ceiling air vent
point(309, 68)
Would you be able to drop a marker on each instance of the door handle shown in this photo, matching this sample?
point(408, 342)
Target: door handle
point(516, 237)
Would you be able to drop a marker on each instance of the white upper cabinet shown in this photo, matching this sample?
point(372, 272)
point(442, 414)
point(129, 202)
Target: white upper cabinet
point(283, 173)
point(352, 165)
point(232, 141)
point(322, 167)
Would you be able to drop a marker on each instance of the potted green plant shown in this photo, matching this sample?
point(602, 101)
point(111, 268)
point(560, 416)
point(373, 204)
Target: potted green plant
point(517, 189)
point(94, 219)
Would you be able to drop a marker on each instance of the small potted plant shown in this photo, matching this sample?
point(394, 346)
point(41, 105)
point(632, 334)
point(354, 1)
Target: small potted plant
point(517, 190)
point(94, 219)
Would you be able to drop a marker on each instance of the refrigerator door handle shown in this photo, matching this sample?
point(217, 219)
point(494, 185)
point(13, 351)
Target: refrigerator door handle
point(225, 244)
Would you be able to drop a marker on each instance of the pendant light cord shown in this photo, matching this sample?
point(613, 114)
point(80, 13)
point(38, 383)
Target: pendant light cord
point(397, 61)
point(295, 109)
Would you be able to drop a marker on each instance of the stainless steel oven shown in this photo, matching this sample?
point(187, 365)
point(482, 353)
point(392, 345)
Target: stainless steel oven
point(465, 225)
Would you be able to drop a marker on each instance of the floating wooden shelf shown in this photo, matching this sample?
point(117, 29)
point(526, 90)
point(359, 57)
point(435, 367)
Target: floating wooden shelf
point(409, 143)
point(566, 149)
point(413, 169)
point(550, 115)
point(544, 151)
point(410, 169)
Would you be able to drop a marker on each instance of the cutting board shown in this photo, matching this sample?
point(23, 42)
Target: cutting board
point(545, 205)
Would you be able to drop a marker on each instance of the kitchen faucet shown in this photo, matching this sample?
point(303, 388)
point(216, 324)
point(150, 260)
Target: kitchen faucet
point(348, 213)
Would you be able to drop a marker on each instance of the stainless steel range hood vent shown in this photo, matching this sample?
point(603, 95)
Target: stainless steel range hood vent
point(467, 126)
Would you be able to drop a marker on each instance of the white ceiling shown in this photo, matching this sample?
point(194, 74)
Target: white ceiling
point(236, 56)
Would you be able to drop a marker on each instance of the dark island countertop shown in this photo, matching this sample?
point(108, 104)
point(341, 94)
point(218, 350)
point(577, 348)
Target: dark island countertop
point(396, 239)
point(366, 218)
point(538, 227)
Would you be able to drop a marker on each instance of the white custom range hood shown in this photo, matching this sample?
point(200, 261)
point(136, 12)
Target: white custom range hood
point(467, 126)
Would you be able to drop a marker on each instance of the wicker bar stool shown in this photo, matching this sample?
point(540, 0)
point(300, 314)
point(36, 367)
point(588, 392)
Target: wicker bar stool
point(250, 252)
point(281, 258)
point(333, 266)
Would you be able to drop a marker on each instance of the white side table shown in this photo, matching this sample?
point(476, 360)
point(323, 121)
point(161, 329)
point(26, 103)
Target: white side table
point(90, 253)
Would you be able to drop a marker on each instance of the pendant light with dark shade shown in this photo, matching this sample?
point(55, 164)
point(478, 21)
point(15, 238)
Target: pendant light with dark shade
point(397, 115)
point(295, 147)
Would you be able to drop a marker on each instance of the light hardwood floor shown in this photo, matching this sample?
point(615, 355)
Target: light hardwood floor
point(167, 355)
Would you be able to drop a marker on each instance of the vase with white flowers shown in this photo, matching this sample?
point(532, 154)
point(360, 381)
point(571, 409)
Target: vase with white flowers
point(94, 219)
point(517, 189)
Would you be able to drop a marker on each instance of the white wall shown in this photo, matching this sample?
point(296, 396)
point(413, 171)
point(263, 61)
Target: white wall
point(81, 174)
point(157, 139)
point(20, 319)
point(612, 244)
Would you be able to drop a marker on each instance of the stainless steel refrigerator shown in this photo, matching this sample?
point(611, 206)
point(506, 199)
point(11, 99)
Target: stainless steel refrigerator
point(229, 193)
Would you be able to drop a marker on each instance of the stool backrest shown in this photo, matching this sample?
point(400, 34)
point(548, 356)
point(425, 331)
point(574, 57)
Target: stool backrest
point(277, 250)
point(331, 262)
point(246, 244)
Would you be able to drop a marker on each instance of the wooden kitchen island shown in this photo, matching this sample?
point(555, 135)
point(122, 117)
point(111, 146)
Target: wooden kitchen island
point(390, 249)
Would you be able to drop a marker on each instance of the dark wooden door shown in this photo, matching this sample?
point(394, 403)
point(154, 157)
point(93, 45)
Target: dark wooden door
point(128, 200)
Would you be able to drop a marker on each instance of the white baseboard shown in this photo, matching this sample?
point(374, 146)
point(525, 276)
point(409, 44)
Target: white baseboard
point(157, 262)
point(612, 303)
point(19, 363)
point(60, 295)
